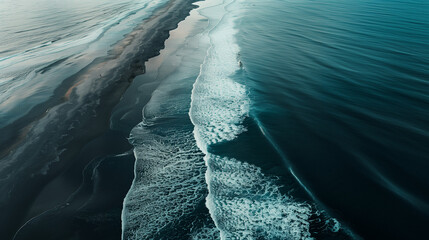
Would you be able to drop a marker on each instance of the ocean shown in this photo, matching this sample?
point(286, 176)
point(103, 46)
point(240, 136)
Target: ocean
point(341, 88)
point(220, 119)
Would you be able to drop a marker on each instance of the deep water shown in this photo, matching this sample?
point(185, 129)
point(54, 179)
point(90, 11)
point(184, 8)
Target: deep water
point(341, 88)
point(272, 119)
point(204, 169)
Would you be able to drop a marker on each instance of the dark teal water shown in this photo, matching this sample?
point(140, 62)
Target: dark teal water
point(273, 119)
point(342, 88)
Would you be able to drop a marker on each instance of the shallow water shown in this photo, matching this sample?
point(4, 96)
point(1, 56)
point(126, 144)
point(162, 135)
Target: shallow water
point(273, 119)
point(189, 181)
point(166, 199)
point(45, 42)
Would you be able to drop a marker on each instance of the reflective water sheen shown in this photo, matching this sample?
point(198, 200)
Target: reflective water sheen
point(45, 42)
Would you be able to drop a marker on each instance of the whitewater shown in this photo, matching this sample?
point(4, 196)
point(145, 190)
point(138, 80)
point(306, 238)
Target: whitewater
point(214, 119)
point(242, 201)
point(182, 188)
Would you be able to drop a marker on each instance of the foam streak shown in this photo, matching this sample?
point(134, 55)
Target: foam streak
point(243, 202)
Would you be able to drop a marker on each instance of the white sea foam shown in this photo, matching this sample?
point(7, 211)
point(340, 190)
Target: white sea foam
point(206, 233)
point(219, 104)
point(246, 204)
point(168, 184)
point(170, 176)
point(243, 202)
point(169, 181)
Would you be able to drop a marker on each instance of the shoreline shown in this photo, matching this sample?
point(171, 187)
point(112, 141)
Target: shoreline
point(89, 106)
point(164, 148)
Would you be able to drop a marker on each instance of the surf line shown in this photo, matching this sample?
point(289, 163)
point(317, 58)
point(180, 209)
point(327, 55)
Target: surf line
point(282, 155)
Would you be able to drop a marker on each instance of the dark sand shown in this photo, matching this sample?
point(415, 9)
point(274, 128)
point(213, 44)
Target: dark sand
point(64, 173)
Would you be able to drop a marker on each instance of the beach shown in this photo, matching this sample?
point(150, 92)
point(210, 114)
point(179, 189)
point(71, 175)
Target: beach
point(214, 120)
point(48, 152)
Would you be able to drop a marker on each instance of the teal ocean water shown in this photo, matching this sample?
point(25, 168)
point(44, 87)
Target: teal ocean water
point(341, 88)
point(312, 119)
point(274, 119)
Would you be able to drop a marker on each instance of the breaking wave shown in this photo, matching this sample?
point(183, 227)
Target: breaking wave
point(246, 204)
point(168, 182)
point(243, 202)
point(182, 189)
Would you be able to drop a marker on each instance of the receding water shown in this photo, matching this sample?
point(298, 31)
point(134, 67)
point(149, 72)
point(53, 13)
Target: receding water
point(45, 42)
point(273, 119)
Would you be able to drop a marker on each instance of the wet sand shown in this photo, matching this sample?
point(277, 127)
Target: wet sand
point(61, 164)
